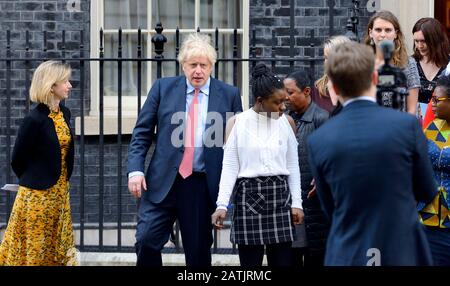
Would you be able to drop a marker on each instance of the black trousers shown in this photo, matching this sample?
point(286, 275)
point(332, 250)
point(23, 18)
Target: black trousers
point(298, 256)
point(189, 202)
point(278, 254)
point(305, 257)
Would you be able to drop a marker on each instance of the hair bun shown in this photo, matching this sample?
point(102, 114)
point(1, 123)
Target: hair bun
point(260, 70)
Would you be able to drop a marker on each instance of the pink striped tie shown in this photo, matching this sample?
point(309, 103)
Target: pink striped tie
point(189, 139)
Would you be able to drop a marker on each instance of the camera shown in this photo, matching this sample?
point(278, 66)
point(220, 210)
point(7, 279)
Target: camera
point(392, 85)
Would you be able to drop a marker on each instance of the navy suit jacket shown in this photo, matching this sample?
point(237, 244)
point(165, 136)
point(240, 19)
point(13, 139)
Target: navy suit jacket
point(371, 166)
point(167, 97)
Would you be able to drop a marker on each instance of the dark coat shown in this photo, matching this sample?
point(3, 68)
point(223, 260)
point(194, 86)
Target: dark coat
point(36, 157)
point(371, 167)
point(316, 225)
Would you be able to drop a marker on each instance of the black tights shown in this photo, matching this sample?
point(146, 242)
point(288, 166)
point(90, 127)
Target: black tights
point(278, 254)
point(304, 257)
point(299, 256)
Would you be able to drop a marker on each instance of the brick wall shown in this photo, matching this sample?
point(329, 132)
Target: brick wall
point(267, 16)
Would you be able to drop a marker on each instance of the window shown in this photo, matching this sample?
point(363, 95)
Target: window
point(187, 15)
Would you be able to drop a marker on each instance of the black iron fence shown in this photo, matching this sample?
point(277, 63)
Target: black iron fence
point(79, 61)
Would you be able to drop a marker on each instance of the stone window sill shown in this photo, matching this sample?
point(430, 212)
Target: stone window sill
point(92, 125)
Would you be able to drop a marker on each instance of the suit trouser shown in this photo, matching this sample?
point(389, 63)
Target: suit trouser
point(189, 202)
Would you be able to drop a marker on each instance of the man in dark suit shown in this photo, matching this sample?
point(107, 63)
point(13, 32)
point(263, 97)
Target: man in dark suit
point(182, 180)
point(371, 166)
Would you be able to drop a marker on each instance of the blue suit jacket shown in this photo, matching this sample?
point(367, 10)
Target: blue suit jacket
point(371, 166)
point(167, 97)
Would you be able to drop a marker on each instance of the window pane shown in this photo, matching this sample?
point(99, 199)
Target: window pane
point(226, 52)
point(220, 14)
point(129, 68)
point(128, 14)
point(174, 13)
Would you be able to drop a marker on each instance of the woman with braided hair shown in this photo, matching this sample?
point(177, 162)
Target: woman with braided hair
point(260, 168)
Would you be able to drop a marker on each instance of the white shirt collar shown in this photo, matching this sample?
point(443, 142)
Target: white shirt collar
point(204, 89)
point(363, 97)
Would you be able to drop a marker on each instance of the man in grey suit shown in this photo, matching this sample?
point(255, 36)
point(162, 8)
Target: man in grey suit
point(182, 180)
point(371, 166)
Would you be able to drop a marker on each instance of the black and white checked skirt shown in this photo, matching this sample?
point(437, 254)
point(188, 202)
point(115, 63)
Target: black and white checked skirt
point(262, 211)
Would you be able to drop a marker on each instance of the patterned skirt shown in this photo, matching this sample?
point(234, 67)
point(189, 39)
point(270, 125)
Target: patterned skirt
point(262, 211)
point(39, 231)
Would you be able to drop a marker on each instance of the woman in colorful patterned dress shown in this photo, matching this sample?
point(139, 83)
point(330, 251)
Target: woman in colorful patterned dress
point(40, 229)
point(436, 215)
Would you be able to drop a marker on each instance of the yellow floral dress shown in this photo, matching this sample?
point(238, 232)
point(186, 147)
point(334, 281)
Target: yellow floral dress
point(40, 228)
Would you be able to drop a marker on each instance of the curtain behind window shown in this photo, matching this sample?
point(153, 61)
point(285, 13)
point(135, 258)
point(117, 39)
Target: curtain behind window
point(128, 14)
point(131, 14)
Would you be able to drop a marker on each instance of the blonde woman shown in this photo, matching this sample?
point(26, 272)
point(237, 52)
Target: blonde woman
point(39, 231)
point(324, 97)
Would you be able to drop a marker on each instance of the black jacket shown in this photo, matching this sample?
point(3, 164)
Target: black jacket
point(316, 225)
point(36, 157)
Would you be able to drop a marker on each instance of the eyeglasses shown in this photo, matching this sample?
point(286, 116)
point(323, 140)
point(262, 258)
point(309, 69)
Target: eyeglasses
point(436, 99)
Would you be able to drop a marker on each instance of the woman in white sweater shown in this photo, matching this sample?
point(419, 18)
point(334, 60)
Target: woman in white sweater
point(260, 168)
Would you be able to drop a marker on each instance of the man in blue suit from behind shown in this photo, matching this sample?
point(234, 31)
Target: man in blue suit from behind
point(182, 180)
point(371, 166)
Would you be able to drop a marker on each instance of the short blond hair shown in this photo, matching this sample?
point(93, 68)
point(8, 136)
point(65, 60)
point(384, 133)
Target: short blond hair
point(197, 44)
point(45, 76)
point(350, 67)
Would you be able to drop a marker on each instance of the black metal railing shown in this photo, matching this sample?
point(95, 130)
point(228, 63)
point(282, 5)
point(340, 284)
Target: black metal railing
point(80, 62)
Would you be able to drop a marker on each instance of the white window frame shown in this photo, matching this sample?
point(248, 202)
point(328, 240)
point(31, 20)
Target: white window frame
point(129, 107)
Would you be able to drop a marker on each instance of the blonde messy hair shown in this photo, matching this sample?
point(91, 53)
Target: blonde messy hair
point(45, 76)
point(197, 44)
point(321, 83)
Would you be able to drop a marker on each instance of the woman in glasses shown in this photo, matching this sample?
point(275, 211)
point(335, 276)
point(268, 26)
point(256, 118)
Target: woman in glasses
point(436, 215)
